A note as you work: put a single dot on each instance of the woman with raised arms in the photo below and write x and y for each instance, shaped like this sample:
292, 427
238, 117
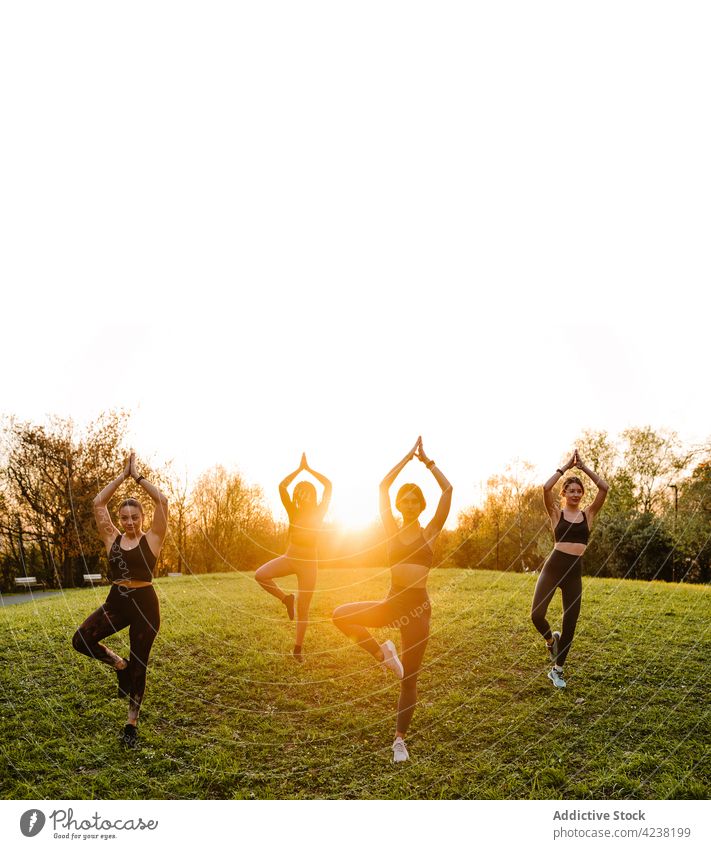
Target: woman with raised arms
306, 514
563, 568
407, 606
132, 602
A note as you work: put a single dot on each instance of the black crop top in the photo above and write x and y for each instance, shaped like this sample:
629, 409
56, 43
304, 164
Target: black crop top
137, 564
418, 551
566, 531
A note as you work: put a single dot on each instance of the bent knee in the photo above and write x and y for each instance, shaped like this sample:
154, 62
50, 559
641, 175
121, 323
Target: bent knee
339, 617
538, 616
79, 641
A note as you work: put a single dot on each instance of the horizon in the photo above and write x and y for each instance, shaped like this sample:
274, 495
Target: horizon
351, 515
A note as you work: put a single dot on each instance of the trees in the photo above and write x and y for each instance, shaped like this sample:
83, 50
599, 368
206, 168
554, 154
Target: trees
651, 460
640, 533
635, 534
51, 474
505, 532
50, 478
692, 525
231, 526
48, 481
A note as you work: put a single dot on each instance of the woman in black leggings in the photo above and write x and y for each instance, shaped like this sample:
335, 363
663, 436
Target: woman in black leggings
407, 606
306, 514
132, 602
571, 531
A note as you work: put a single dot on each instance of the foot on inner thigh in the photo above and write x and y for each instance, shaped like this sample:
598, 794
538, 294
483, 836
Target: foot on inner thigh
116, 660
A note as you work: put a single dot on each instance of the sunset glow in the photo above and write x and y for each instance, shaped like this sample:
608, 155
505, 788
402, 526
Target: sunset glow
342, 292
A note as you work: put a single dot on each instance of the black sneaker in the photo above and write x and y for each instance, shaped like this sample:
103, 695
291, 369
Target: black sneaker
129, 736
289, 605
124, 681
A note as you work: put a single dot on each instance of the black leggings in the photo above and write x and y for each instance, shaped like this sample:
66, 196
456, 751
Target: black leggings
406, 609
564, 571
137, 608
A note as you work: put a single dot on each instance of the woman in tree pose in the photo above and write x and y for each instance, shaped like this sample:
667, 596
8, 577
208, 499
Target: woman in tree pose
407, 606
563, 568
306, 516
132, 602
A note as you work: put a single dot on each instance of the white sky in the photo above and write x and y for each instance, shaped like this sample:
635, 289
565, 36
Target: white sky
331, 227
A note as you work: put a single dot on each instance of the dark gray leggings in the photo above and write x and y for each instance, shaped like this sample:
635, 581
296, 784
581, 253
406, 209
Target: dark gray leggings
406, 609
136, 608
564, 571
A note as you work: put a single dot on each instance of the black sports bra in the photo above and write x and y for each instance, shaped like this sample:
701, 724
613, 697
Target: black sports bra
566, 531
136, 564
418, 551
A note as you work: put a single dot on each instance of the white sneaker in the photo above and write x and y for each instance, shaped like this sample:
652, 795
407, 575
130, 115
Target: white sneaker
391, 660
400, 752
553, 648
557, 678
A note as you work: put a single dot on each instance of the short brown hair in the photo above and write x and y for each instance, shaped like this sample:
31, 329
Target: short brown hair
406, 489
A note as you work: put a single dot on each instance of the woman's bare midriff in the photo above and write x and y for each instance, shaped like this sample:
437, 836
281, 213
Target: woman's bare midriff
409, 575
575, 548
133, 584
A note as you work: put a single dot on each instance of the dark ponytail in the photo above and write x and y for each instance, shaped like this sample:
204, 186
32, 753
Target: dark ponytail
131, 502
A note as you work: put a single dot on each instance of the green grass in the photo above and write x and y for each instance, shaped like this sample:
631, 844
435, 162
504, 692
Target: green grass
228, 714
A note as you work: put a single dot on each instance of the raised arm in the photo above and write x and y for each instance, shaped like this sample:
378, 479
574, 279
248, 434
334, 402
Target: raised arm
386, 512
159, 526
325, 483
107, 530
284, 492
602, 489
552, 507
445, 499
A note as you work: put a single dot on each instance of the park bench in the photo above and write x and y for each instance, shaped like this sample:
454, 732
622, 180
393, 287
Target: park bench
175, 574
93, 578
28, 583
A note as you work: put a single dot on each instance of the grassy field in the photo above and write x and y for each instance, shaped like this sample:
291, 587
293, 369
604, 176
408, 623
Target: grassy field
228, 714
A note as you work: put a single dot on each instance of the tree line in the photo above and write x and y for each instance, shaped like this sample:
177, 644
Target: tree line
656, 523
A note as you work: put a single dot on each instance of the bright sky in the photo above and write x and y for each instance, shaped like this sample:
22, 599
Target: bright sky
273, 227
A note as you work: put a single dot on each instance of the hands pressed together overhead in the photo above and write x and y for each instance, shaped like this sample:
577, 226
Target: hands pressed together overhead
418, 451
574, 463
129, 469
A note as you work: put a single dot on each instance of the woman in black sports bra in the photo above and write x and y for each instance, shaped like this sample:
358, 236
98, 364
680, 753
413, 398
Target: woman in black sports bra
563, 568
407, 606
306, 516
132, 602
